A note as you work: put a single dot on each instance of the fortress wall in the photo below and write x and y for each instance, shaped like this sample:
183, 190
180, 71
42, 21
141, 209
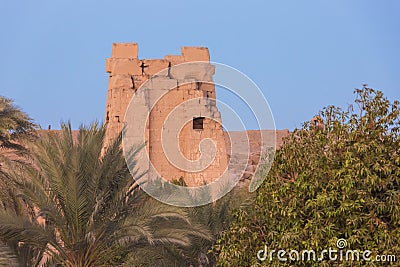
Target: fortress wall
127, 73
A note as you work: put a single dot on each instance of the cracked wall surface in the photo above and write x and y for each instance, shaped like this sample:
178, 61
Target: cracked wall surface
127, 73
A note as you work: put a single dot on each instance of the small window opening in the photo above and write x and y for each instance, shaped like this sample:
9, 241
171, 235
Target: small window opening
117, 118
198, 123
198, 85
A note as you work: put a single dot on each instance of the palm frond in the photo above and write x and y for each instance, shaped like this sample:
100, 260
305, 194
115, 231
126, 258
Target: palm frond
7, 256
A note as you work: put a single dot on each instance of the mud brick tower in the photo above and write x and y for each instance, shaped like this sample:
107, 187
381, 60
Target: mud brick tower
202, 120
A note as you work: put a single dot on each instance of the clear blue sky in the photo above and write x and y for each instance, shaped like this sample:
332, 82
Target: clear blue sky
303, 54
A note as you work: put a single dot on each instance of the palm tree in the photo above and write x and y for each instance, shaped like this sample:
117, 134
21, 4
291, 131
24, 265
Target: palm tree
15, 126
216, 217
94, 212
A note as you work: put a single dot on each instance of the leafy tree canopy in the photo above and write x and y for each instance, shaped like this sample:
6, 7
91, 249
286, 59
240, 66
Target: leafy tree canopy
14, 123
330, 181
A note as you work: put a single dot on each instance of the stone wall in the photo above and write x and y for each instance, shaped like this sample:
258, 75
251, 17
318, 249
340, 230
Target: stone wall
127, 73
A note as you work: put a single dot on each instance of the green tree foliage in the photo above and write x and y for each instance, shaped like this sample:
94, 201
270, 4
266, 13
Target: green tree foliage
94, 213
14, 124
15, 127
339, 180
215, 217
